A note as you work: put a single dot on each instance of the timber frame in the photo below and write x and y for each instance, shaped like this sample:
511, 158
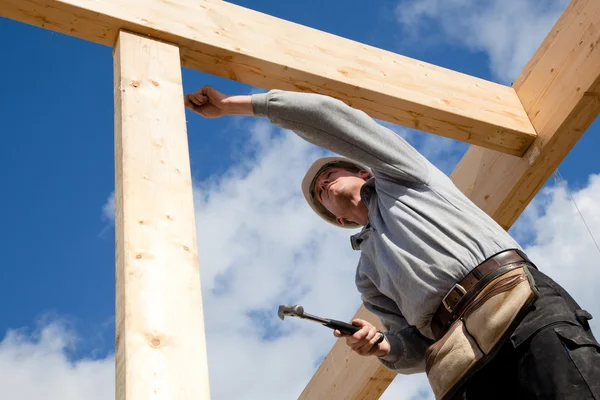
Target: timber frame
518, 136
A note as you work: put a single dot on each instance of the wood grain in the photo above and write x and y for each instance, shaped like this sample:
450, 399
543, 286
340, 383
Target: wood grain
160, 340
226, 40
560, 90
344, 375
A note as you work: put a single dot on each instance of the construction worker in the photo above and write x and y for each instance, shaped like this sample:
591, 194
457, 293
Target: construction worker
426, 252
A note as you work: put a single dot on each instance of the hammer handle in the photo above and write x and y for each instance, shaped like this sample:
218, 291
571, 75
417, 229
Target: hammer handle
349, 329
342, 327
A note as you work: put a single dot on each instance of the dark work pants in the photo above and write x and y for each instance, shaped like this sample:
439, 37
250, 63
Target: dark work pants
552, 354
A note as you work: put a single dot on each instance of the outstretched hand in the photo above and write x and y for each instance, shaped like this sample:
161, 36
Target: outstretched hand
210, 103
364, 341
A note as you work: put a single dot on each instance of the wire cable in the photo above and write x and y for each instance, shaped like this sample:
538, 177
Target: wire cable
557, 174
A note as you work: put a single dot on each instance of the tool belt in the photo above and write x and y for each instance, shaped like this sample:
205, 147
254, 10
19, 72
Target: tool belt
475, 317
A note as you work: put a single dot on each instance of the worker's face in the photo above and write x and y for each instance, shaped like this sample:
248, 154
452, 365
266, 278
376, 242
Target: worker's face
339, 191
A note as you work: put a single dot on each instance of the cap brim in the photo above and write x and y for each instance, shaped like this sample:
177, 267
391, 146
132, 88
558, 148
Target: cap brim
307, 185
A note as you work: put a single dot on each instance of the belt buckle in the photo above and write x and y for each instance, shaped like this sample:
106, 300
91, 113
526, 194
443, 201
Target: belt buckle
457, 287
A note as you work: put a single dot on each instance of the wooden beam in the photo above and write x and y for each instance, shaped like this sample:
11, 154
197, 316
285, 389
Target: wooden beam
343, 375
160, 341
237, 43
560, 90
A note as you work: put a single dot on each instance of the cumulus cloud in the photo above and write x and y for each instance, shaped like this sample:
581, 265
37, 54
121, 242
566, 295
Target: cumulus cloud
509, 32
261, 246
36, 365
108, 209
554, 225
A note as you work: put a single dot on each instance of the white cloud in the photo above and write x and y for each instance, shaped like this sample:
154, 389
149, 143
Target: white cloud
508, 31
560, 242
261, 246
108, 209
36, 366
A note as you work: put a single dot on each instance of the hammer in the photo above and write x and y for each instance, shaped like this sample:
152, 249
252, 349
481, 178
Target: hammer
298, 311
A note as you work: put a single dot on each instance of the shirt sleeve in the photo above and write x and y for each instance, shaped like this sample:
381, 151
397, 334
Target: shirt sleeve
333, 125
407, 344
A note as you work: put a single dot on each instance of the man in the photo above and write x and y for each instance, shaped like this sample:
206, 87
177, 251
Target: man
420, 238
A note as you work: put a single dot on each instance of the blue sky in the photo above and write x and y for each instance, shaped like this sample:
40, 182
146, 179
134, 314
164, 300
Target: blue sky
57, 174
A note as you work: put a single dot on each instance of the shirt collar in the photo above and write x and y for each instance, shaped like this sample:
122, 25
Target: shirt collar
366, 193
357, 239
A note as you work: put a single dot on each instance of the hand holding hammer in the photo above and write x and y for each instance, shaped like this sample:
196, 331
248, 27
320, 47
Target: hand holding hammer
367, 340
361, 336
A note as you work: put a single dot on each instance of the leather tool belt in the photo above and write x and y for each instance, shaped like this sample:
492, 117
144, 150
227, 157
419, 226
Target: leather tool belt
475, 317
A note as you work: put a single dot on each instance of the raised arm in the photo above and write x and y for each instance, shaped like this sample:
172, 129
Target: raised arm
325, 122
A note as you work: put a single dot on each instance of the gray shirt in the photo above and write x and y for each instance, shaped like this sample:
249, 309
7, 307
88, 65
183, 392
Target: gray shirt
423, 234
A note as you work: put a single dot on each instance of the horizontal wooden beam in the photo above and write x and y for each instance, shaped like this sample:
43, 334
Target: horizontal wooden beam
560, 90
237, 43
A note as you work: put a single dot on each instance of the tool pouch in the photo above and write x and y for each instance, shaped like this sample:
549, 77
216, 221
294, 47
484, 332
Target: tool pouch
480, 330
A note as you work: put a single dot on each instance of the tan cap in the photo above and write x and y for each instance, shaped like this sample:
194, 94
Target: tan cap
308, 186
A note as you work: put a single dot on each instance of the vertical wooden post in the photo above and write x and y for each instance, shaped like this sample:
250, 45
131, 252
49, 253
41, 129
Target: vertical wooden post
160, 340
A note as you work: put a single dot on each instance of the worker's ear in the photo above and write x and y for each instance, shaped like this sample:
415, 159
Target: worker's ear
364, 174
344, 221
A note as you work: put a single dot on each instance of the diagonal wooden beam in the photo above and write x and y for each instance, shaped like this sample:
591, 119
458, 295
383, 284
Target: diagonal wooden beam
237, 43
560, 90
343, 375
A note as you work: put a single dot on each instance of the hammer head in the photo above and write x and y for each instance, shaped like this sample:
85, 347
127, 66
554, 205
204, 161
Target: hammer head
292, 311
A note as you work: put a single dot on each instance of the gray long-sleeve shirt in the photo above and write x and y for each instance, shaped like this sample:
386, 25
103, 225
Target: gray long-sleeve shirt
423, 234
